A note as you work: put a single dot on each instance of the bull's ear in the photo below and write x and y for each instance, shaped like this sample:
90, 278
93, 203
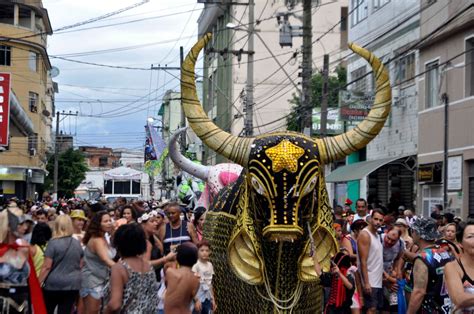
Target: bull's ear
243, 252
325, 248
244, 258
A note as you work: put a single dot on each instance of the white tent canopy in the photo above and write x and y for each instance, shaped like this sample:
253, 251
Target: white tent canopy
122, 173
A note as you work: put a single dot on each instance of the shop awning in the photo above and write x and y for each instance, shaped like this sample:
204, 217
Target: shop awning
358, 170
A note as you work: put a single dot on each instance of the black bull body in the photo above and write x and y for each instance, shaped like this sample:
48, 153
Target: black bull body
265, 227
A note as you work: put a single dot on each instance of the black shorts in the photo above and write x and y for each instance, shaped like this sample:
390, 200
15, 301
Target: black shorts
374, 300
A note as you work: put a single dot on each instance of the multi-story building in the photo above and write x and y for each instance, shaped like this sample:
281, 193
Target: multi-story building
385, 170
225, 70
24, 27
100, 158
446, 107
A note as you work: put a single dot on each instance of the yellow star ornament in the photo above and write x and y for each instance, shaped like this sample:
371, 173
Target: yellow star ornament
285, 155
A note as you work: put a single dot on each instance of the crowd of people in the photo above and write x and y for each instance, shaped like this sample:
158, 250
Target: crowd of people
396, 262
128, 257
73, 256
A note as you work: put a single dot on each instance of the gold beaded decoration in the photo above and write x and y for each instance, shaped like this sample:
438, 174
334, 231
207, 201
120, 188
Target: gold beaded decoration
285, 155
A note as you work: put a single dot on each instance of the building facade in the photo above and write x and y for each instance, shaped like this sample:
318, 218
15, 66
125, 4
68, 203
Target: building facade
100, 158
385, 170
446, 108
276, 69
24, 27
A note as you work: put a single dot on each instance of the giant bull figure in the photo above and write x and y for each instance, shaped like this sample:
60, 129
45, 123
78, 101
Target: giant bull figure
263, 229
216, 177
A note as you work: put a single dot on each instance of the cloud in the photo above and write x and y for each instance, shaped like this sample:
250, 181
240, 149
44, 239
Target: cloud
81, 86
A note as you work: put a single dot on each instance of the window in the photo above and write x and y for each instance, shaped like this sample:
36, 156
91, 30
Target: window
359, 85
33, 99
380, 3
5, 55
122, 187
108, 187
32, 144
405, 68
432, 82
6, 14
358, 11
469, 67
33, 61
24, 18
103, 161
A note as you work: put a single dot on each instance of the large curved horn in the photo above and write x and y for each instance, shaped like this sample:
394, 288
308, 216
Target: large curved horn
337, 147
232, 147
182, 162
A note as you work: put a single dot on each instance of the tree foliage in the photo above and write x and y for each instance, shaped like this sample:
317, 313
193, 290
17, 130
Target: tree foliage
336, 82
71, 171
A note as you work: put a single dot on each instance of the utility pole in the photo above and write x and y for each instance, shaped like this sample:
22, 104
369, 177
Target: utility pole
445, 99
56, 151
249, 87
56, 164
306, 120
324, 98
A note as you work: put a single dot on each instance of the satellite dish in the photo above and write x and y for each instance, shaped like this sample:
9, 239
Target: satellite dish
46, 113
54, 72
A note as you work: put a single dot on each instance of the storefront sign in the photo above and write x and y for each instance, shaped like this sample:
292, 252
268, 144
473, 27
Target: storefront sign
354, 106
429, 173
455, 173
12, 174
334, 125
4, 108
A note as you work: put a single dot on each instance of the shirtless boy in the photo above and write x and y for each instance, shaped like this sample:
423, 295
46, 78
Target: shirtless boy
182, 285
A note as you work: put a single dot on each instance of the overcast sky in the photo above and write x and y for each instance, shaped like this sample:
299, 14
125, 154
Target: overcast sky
121, 99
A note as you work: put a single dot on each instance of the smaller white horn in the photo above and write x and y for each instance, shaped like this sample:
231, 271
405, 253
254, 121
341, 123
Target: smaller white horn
184, 163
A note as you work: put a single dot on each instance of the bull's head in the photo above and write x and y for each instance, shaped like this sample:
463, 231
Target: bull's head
284, 179
216, 177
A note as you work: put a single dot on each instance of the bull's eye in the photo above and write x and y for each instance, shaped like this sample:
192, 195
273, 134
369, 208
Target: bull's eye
310, 186
257, 186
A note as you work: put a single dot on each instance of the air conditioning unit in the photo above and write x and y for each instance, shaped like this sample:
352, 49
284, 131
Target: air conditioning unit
32, 152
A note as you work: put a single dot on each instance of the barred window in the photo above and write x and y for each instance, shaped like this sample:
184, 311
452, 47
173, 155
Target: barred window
33, 101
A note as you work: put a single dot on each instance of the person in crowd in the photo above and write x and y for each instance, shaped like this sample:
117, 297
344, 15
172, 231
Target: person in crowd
459, 274
176, 231
437, 209
402, 224
198, 222
39, 239
20, 288
41, 216
347, 205
160, 220
132, 280
206, 301
348, 218
449, 234
181, 283
429, 294
409, 217
393, 250
350, 242
28, 225
340, 281
154, 247
78, 221
61, 271
362, 210
370, 250
338, 213
98, 258
129, 214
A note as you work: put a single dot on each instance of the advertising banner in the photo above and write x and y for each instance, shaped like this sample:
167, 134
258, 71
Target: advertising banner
4, 108
354, 106
334, 125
